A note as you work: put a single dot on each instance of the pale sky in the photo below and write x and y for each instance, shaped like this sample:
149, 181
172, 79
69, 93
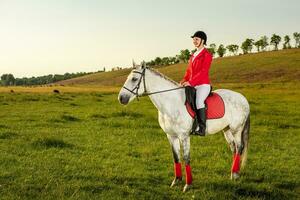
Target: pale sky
40, 37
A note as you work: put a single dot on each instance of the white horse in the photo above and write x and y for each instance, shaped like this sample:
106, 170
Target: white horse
169, 98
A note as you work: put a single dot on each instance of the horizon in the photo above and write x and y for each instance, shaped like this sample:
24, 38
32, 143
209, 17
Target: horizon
41, 38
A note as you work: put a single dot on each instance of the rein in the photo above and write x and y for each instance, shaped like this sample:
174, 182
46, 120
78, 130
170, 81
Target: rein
137, 87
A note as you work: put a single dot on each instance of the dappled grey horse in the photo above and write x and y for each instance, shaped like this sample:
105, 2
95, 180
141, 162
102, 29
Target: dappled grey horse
169, 99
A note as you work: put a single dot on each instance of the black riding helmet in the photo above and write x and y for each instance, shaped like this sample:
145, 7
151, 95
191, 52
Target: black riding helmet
200, 34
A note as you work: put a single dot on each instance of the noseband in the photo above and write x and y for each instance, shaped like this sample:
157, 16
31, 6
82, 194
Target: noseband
135, 90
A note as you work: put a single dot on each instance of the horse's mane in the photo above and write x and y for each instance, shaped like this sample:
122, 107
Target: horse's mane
163, 76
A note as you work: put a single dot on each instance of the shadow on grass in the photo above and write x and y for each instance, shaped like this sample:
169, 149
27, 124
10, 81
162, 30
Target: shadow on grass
98, 116
73, 104
242, 190
286, 126
63, 98
97, 94
51, 143
125, 187
3, 126
69, 118
126, 114
30, 98
64, 118
286, 185
7, 135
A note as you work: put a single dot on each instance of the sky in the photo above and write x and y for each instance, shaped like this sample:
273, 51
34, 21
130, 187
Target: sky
54, 37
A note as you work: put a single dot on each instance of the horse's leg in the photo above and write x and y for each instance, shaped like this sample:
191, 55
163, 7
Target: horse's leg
174, 141
236, 157
238, 149
186, 158
229, 138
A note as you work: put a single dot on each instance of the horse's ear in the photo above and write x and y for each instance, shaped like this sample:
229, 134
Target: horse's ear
143, 64
133, 64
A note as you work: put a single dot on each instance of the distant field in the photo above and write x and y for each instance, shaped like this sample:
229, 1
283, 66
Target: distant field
264, 67
87, 146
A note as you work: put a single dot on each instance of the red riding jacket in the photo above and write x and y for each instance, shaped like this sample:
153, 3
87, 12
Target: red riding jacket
197, 72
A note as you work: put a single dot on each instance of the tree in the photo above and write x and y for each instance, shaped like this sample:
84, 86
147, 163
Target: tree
152, 63
233, 48
212, 49
297, 39
165, 61
275, 40
184, 55
67, 76
287, 44
173, 60
193, 51
264, 43
258, 44
20, 81
7, 79
221, 50
247, 46
56, 77
157, 61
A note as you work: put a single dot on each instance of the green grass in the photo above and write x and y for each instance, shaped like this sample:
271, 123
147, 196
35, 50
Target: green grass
88, 146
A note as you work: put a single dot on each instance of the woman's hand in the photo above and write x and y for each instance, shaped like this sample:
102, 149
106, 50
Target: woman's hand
186, 84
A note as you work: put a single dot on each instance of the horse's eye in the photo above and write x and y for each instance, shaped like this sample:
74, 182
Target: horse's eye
134, 79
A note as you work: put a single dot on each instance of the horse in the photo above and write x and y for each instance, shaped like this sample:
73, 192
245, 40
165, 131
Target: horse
169, 99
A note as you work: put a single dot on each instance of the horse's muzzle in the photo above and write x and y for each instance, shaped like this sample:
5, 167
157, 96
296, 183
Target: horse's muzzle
124, 99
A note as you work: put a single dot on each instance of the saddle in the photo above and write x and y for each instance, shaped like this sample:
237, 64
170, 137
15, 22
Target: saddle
214, 105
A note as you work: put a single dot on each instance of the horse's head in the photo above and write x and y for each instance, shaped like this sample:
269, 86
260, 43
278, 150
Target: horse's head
134, 86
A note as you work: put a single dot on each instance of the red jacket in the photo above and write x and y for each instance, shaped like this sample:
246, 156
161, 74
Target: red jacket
197, 72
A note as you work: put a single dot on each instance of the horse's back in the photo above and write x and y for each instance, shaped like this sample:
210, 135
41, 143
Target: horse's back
232, 96
236, 104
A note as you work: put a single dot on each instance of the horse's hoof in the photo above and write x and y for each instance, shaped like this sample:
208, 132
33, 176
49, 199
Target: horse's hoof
235, 176
186, 187
175, 181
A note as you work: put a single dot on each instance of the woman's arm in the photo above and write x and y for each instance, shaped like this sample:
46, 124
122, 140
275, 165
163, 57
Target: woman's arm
188, 72
186, 76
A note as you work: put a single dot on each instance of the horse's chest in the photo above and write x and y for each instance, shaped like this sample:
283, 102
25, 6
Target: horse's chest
173, 125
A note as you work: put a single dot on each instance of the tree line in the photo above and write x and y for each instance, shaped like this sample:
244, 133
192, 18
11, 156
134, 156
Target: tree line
10, 80
246, 47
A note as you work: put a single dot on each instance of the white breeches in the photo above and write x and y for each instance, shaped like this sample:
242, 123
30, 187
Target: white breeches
202, 91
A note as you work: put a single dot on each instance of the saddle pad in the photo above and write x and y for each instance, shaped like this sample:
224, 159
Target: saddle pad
215, 107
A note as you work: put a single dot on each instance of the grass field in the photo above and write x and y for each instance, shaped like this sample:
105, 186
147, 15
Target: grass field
79, 145
82, 144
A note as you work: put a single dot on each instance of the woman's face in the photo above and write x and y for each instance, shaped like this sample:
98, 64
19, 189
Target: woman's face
197, 42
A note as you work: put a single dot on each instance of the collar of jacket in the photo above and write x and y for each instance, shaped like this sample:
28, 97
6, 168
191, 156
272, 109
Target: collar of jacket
201, 53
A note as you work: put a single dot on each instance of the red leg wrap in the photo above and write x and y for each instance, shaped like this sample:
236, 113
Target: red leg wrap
177, 170
188, 175
236, 163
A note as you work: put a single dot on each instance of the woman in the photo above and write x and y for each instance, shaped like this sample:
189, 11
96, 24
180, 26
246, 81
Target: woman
197, 75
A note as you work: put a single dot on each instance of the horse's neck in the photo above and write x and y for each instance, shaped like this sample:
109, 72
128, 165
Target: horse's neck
166, 102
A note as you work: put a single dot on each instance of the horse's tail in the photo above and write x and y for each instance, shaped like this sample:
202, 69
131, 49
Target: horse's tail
245, 140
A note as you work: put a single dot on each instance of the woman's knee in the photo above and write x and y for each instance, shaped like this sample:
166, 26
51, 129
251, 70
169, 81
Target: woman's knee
200, 103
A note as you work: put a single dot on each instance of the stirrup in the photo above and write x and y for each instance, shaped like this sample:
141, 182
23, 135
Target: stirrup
198, 132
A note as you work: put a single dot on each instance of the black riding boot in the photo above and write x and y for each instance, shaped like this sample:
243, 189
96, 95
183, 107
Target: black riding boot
201, 117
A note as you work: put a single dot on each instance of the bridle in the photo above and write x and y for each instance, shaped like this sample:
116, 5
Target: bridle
137, 87
135, 90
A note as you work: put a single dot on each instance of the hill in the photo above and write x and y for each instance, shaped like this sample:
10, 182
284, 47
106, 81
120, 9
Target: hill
263, 67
